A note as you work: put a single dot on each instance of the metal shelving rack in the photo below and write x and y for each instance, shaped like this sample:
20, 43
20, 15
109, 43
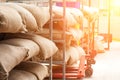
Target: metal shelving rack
60, 41
50, 62
51, 28
77, 74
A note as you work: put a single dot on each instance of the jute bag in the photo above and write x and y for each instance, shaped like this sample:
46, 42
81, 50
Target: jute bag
41, 71
47, 47
77, 14
21, 75
41, 14
28, 44
57, 35
10, 56
59, 56
10, 21
27, 18
75, 54
58, 13
76, 33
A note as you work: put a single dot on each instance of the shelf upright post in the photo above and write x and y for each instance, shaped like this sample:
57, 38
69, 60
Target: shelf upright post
64, 37
109, 24
51, 34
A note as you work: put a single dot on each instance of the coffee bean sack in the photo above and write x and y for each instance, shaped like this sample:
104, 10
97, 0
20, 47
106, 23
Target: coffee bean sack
47, 47
41, 14
27, 17
10, 21
21, 75
41, 71
28, 44
59, 56
58, 13
10, 56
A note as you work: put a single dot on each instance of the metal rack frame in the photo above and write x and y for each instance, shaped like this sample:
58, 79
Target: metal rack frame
62, 41
64, 37
51, 62
50, 4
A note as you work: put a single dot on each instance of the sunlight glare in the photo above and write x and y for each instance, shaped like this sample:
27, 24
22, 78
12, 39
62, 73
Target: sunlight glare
115, 3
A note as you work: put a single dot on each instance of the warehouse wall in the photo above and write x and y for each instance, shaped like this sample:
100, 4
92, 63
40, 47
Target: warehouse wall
103, 20
114, 26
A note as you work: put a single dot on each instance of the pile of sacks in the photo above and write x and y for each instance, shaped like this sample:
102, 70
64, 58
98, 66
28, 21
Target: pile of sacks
19, 17
26, 35
17, 48
21, 21
73, 33
25, 29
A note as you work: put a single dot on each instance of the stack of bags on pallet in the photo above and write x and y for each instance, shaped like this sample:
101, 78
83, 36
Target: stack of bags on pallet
91, 13
32, 45
73, 51
28, 70
73, 34
25, 30
91, 18
18, 23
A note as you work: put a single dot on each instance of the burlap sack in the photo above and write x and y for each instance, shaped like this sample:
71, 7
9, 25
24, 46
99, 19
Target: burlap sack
45, 32
78, 16
76, 33
90, 12
41, 71
41, 14
27, 18
10, 21
99, 47
81, 51
21, 75
75, 54
10, 56
47, 47
56, 35
58, 13
59, 56
28, 44
72, 55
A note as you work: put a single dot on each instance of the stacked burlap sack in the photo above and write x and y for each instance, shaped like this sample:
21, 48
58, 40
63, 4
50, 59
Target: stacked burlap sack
72, 55
72, 26
20, 17
28, 70
73, 33
10, 56
21, 75
10, 20
91, 13
19, 47
43, 47
26, 37
90, 19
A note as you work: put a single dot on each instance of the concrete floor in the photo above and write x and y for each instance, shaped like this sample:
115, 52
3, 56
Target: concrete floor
107, 65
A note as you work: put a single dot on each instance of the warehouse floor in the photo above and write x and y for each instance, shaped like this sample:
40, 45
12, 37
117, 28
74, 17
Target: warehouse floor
107, 65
